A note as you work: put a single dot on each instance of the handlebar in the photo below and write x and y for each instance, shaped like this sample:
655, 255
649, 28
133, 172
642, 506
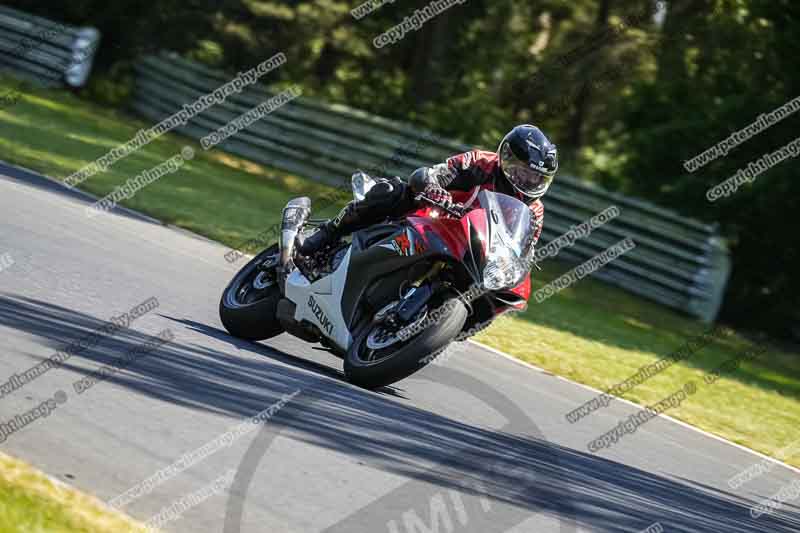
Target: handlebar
455, 209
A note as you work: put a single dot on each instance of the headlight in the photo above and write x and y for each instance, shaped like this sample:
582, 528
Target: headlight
503, 270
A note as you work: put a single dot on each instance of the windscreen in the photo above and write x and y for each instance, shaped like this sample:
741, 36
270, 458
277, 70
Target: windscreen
515, 219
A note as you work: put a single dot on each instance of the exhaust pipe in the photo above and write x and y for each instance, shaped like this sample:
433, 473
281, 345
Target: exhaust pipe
294, 217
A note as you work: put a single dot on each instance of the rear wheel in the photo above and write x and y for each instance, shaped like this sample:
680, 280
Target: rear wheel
249, 303
380, 354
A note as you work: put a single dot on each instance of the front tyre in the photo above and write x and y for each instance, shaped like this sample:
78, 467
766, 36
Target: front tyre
248, 307
370, 367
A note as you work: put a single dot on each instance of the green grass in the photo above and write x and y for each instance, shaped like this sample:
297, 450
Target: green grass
33, 503
595, 334
592, 333
227, 199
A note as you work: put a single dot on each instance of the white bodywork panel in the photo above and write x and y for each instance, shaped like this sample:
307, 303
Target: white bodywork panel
320, 303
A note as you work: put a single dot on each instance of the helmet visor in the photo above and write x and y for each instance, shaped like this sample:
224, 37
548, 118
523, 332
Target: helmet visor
526, 180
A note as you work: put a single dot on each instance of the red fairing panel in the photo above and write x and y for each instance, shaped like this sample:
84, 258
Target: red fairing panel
523, 290
454, 233
448, 230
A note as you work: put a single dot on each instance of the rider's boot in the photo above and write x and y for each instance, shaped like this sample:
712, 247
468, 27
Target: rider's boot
324, 236
386, 198
329, 232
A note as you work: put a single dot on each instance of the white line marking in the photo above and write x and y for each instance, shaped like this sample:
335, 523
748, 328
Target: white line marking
628, 402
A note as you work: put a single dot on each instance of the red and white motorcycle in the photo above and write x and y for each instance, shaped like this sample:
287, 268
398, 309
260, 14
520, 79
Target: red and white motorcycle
395, 296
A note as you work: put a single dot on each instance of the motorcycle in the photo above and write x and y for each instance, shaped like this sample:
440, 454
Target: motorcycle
395, 296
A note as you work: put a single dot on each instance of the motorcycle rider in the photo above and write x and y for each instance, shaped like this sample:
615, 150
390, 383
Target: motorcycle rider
523, 166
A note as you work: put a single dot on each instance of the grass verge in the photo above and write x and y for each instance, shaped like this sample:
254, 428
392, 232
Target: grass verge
32, 502
592, 333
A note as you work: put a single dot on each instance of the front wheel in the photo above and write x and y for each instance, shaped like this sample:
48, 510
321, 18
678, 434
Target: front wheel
249, 304
378, 356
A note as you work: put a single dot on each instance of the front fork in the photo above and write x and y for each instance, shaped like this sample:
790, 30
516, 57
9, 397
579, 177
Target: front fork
417, 296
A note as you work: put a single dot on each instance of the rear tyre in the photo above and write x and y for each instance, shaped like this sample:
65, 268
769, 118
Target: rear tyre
249, 304
371, 368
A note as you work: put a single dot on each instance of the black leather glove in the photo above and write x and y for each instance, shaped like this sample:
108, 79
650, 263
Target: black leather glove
438, 195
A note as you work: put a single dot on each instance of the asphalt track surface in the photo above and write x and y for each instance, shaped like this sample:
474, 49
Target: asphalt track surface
477, 444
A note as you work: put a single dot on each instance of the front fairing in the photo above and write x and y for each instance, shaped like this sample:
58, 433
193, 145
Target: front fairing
497, 232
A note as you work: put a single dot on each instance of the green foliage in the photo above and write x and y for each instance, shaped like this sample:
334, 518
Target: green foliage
726, 65
112, 88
